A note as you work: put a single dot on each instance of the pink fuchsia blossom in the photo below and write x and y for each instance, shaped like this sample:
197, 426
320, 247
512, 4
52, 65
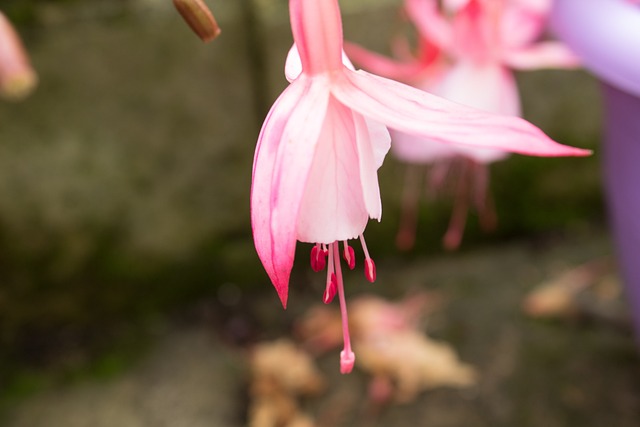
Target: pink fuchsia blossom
480, 42
315, 166
483, 41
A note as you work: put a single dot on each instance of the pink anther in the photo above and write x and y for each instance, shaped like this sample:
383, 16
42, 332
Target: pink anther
331, 289
370, 270
349, 256
347, 360
318, 258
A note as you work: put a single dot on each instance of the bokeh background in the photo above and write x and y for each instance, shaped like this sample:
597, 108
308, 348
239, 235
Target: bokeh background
129, 286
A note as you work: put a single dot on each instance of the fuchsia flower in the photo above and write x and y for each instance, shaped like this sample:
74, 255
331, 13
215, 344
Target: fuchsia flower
315, 166
480, 42
483, 40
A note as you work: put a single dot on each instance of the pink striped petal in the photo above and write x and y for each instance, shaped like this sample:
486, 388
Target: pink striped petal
541, 55
416, 112
317, 32
430, 23
520, 27
382, 65
523, 21
474, 37
333, 206
371, 151
281, 164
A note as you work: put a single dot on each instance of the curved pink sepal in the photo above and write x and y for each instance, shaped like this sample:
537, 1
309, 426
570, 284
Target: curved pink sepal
382, 65
281, 164
419, 113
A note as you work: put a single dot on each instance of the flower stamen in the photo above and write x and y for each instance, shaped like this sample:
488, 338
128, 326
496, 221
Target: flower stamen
482, 197
406, 237
331, 287
453, 236
369, 265
330, 290
349, 256
318, 258
347, 357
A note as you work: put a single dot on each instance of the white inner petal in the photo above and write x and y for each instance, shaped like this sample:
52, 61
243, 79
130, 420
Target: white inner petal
380, 140
373, 142
419, 150
488, 87
333, 206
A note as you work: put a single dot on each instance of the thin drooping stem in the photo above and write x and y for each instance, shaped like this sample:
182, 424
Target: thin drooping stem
406, 237
453, 236
483, 199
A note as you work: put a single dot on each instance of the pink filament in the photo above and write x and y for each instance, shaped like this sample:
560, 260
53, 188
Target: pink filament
406, 237
347, 357
335, 285
453, 236
482, 198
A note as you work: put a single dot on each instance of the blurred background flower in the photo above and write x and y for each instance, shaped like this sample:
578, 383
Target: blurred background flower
467, 53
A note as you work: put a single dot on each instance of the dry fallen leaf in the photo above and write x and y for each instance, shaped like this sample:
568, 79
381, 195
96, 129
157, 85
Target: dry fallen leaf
389, 345
558, 296
280, 373
414, 362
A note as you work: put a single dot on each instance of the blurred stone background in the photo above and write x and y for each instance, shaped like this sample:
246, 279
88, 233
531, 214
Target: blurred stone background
124, 179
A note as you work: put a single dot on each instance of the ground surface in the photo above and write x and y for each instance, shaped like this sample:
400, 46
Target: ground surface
567, 372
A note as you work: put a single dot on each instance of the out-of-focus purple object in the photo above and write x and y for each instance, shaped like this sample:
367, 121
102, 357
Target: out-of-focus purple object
606, 34
622, 180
